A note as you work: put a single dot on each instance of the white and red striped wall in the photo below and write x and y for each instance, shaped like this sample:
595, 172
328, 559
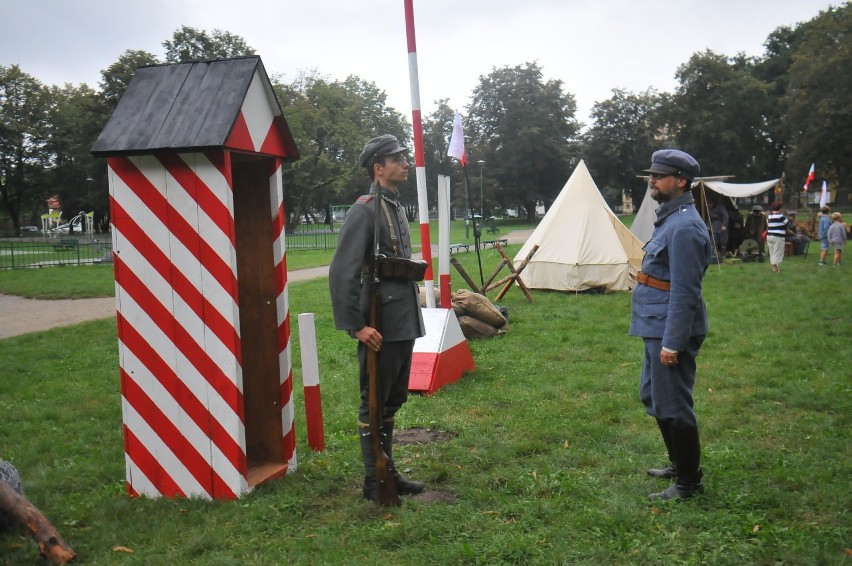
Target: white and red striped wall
178, 324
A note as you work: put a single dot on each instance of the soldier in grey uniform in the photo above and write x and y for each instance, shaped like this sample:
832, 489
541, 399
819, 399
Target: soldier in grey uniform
668, 312
400, 320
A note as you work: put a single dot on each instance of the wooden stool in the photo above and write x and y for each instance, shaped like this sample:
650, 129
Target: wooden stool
788, 249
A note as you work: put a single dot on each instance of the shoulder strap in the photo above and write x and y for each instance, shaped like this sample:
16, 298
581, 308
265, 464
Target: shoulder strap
393, 238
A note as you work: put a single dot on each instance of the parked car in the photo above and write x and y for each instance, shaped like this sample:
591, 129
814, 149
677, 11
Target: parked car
29, 230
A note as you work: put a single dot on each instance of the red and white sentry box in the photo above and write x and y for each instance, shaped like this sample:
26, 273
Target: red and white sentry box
194, 152
442, 355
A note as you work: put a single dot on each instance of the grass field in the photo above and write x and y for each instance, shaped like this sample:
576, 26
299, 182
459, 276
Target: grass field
548, 458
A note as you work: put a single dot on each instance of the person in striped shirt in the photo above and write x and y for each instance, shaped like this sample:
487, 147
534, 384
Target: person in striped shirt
775, 235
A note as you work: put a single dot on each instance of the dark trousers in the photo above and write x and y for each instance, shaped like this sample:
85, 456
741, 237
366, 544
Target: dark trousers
666, 391
394, 367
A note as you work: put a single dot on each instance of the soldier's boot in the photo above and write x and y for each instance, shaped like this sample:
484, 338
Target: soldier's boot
687, 450
669, 471
403, 486
369, 489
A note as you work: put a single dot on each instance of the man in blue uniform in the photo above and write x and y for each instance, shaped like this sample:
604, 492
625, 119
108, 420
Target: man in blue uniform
669, 314
400, 320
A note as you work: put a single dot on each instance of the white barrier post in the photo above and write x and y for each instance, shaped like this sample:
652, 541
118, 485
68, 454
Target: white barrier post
310, 382
444, 240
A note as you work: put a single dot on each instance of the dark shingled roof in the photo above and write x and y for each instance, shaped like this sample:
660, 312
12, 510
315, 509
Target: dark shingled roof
183, 106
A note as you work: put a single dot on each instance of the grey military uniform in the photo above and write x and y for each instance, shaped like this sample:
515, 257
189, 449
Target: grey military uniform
400, 318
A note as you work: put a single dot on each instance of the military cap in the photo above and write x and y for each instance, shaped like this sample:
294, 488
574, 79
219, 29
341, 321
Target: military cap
379, 147
757, 208
674, 162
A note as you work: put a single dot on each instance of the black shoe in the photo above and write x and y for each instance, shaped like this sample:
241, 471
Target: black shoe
408, 487
669, 472
678, 490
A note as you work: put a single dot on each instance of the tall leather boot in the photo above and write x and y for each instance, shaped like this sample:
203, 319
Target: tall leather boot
369, 458
669, 471
403, 486
687, 451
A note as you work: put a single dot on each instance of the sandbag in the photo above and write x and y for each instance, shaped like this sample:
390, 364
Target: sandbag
435, 293
473, 329
479, 307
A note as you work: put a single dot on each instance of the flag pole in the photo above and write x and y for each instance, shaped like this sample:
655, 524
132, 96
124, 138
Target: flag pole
419, 160
477, 228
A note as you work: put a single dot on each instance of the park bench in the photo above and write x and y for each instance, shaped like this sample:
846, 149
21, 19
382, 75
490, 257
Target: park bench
493, 243
67, 245
456, 248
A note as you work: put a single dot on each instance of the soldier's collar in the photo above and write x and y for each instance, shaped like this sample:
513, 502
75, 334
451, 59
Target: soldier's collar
667, 208
386, 193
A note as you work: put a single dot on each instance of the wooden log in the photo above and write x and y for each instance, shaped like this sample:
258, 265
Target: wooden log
50, 545
487, 284
464, 274
516, 275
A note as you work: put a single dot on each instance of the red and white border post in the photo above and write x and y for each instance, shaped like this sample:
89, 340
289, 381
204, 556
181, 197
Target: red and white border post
310, 382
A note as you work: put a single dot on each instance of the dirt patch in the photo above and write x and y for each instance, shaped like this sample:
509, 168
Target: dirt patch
429, 497
421, 436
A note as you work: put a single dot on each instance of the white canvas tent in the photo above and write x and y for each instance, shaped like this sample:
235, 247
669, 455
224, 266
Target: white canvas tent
643, 224
582, 243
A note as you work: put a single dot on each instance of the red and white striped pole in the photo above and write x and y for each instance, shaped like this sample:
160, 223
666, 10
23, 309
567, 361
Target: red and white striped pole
310, 381
419, 160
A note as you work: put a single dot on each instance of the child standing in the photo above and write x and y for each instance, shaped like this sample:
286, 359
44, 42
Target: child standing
837, 236
824, 223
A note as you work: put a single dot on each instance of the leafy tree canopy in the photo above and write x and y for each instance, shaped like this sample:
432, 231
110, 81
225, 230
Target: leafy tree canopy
525, 128
190, 44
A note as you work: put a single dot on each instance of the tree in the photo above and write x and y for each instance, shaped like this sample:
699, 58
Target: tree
116, 77
24, 106
330, 122
817, 122
525, 129
437, 129
719, 114
75, 119
190, 44
627, 129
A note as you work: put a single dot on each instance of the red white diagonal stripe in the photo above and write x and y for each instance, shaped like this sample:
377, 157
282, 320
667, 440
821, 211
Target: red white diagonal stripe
282, 303
178, 324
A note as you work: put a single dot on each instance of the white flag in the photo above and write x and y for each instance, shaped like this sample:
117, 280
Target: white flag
456, 148
823, 196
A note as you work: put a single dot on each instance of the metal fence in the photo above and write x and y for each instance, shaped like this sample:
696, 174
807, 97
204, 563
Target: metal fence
22, 254
40, 252
305, 239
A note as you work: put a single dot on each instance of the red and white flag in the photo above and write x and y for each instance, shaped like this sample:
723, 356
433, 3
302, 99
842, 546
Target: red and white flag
456, 148
811, 177
823, 196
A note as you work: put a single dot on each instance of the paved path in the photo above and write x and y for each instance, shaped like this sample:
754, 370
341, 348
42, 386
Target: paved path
22, 316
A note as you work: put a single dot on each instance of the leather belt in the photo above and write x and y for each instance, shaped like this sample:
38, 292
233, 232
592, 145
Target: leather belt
646, 279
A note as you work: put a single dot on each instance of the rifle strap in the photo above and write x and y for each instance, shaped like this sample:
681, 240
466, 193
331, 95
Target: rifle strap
393, 238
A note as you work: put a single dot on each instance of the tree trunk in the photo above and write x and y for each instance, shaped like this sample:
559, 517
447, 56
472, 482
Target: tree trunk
50, 544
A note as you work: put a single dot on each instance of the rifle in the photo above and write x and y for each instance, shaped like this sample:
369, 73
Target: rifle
386, 494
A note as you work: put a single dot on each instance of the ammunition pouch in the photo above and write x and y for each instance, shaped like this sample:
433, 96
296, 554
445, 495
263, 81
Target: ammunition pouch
400, 268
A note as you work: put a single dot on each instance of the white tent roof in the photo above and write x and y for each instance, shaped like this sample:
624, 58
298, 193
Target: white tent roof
582, 244
643, 224
741, 190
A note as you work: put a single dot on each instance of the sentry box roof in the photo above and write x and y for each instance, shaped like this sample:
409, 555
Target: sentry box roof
195, 106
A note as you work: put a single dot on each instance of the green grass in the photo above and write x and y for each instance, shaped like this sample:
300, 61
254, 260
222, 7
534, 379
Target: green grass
548, 463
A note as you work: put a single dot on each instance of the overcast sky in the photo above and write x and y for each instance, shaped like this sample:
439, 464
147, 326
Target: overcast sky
592, 46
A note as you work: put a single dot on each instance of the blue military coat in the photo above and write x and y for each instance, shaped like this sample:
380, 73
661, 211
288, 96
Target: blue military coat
679, 252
